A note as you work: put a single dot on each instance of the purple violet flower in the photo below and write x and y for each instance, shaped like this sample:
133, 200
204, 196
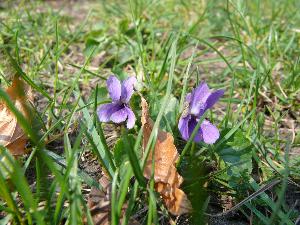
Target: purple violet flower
199, 100
118, 111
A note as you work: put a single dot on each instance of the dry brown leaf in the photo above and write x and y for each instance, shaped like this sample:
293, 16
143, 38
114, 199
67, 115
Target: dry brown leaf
167, 179
99, 204
11, 134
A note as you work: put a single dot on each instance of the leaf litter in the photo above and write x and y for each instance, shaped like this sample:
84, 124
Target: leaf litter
167, 179
11, 134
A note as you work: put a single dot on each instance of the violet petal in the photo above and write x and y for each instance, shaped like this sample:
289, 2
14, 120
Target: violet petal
199, 97
183, 127
210, 132
130, 119
188, 98
127, 89
105, 111
119, 116
114, 88
213, 98
198, 135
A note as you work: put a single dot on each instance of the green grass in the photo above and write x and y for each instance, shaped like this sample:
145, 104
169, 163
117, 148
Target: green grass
65, 52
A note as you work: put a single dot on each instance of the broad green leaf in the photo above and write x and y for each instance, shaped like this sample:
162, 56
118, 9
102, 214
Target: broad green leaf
120, 154
237, 156
195, 173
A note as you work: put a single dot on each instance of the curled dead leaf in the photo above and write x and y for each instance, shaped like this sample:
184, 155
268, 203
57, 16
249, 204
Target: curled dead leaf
167, 179
11, 134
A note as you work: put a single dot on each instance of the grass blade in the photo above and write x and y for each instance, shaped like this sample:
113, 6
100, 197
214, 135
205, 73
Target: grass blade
99, 148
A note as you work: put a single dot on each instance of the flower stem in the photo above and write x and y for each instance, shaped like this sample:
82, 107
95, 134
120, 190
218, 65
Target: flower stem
134, 161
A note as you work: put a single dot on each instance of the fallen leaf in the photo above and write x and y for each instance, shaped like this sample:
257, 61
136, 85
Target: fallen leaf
99, 204
11, 134
167, 179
